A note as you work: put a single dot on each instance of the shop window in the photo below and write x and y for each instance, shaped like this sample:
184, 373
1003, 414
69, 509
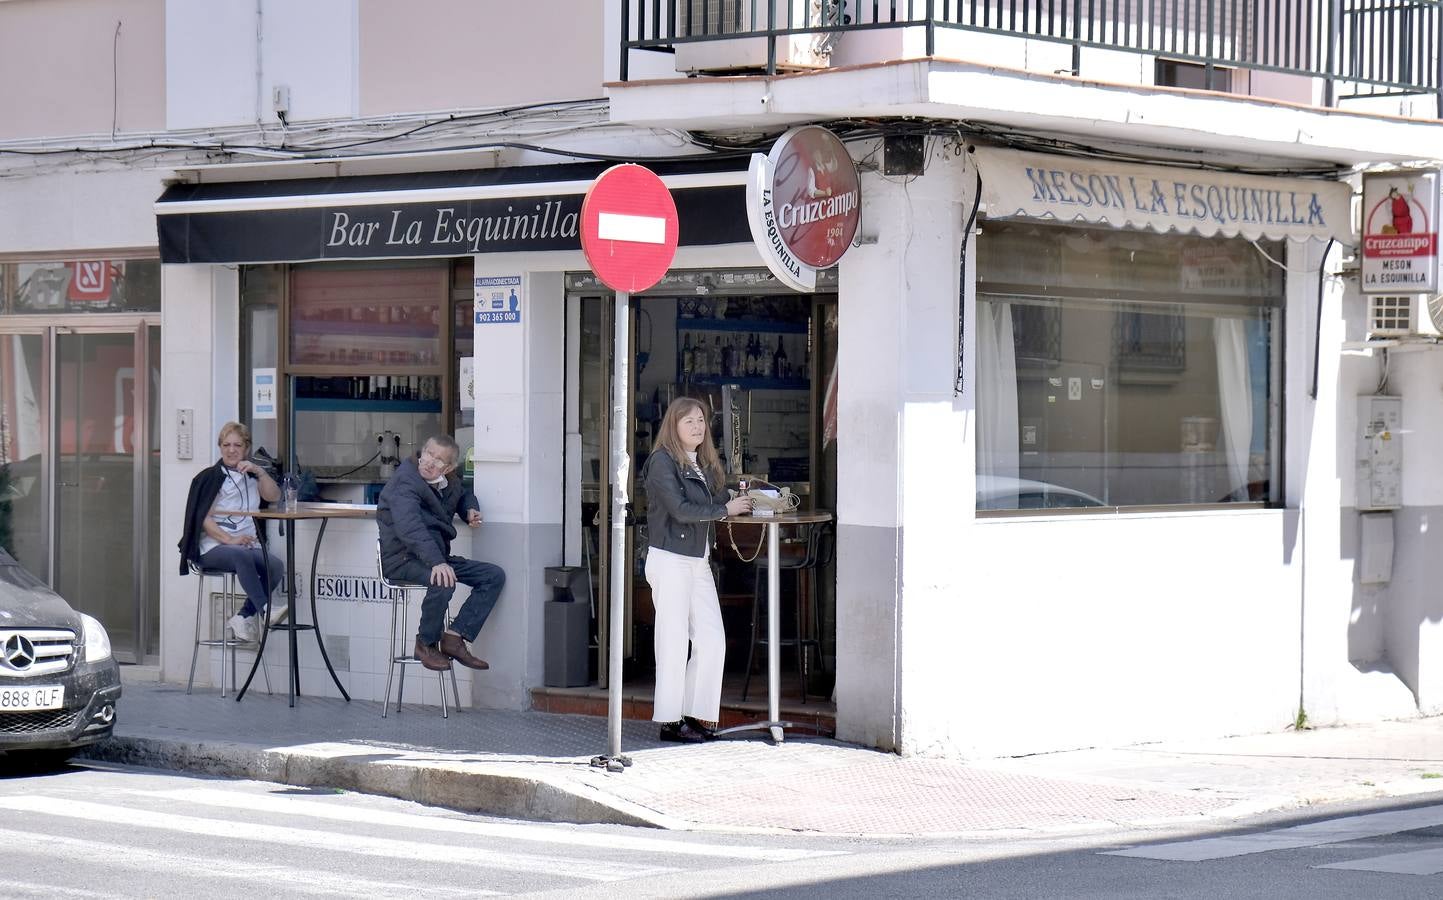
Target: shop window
81, 286
1142, 370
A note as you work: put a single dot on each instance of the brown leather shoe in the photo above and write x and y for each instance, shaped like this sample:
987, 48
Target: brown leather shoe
453, 646
431, 658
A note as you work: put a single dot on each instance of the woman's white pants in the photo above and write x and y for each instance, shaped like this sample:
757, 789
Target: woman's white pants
684, 595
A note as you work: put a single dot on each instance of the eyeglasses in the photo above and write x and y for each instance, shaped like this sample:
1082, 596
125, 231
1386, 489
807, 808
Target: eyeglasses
441, 461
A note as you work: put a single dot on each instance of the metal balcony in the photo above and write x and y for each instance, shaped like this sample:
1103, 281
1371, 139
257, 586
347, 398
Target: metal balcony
1357, 47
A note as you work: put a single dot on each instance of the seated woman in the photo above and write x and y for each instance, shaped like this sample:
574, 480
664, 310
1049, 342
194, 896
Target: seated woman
232, 543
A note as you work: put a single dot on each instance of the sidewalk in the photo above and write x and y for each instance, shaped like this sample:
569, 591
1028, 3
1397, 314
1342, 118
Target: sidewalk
536, 766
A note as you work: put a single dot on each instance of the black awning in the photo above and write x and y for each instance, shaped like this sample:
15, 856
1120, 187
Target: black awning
425, 214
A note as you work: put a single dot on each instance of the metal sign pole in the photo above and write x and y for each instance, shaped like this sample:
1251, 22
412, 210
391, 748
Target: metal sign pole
614, 761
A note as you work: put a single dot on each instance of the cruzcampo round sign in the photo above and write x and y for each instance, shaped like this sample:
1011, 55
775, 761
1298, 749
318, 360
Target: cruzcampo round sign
803, 204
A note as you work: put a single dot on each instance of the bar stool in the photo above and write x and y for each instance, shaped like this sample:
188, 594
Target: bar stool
227, 642
402, 654
821, 548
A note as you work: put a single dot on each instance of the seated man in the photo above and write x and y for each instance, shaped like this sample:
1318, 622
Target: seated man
415, 514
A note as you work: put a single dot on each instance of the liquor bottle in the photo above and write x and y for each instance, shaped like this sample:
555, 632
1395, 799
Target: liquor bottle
779, 360
751, 366
714, 361
728, 358
688, 357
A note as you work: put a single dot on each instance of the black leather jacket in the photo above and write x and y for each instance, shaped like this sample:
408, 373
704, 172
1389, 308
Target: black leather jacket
680, 507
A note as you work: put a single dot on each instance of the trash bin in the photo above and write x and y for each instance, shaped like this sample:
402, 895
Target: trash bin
567, 625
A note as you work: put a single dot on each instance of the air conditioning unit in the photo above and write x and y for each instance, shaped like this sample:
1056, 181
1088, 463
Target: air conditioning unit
697, 18
1405, 315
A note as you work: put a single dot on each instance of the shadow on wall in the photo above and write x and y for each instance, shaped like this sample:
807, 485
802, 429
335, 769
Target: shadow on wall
1390, 623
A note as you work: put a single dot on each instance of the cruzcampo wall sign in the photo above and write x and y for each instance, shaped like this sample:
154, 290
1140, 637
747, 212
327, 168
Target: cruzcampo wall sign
1400, 232
803, 204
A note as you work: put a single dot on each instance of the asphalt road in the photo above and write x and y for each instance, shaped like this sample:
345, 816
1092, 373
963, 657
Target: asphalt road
94, 830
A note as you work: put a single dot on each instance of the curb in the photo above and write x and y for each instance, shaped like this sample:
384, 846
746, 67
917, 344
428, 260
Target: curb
433, 784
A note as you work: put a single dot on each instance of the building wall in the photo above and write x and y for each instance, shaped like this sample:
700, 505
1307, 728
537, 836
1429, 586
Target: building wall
222, 61
451, 54
81, 67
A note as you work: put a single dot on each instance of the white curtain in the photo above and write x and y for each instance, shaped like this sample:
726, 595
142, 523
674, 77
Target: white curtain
1230, 337
996, 400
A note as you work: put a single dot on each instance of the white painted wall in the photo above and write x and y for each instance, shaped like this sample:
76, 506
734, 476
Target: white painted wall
223, 60
79, 211
200, 302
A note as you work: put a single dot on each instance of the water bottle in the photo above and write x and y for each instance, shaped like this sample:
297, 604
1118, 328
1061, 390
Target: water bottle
290, 493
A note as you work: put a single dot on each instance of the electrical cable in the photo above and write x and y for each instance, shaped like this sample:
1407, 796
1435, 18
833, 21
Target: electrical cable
357, 468
1318, 325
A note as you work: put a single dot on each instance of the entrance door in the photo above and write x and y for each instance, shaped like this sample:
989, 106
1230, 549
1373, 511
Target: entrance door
751, 356
80, 494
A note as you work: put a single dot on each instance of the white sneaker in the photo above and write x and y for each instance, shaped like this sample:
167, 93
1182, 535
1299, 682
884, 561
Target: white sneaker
279, 613
243, 627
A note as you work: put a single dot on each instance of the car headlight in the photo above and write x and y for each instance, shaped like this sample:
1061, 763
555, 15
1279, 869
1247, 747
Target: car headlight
97, 642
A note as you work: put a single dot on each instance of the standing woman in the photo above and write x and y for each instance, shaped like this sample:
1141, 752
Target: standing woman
686, 493
232, 543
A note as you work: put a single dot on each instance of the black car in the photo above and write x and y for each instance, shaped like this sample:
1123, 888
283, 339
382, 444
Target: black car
59, 682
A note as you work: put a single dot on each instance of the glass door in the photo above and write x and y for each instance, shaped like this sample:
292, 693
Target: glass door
24, 453
106, 455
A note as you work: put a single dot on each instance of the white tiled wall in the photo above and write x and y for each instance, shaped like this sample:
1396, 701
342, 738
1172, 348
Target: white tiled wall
349, 438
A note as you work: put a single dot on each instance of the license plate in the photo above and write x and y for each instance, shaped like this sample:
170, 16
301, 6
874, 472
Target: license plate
32, 698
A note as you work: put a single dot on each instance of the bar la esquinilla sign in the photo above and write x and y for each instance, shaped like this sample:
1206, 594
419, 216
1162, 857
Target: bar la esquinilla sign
1179, 199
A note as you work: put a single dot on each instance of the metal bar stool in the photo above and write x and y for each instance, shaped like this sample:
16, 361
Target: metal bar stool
401, 652
821, 548
227, 642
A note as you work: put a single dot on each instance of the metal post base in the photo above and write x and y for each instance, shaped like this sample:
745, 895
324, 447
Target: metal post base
611, 763
776, 729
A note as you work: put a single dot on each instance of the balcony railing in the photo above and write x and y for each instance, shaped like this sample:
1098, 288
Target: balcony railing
1357, 47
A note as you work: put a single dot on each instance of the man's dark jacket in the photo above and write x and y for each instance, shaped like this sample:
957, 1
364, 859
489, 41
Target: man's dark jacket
204, 488
417, 521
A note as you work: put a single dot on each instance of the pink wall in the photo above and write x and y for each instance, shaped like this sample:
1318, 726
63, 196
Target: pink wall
443, 54
62, 67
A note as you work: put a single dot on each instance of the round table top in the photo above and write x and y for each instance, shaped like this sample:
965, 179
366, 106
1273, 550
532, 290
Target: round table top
306, 511
800, 517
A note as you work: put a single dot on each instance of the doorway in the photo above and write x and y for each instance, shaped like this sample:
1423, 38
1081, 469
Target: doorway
759, 356
80, 465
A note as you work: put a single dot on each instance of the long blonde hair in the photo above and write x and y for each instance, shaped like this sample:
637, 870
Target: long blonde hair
668, 440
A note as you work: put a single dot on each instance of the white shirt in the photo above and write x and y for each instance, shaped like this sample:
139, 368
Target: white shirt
237, 491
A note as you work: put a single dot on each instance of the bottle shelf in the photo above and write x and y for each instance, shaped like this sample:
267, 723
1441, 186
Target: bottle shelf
751, 382
758, 326
341, 404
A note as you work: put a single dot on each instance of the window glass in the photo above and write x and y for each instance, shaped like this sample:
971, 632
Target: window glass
86, 286
1123, 368
462, 335
380, 318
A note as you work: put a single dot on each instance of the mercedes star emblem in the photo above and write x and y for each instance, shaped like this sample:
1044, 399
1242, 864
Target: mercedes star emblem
19, 652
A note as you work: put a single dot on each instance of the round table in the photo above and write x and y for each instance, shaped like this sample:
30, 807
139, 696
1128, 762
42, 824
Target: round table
325, 512
774, 723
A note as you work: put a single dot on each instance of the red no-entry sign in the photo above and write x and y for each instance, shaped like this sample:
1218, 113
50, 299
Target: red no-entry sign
628, 228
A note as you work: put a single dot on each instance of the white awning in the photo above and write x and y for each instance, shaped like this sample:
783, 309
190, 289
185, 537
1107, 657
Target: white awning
1162, 198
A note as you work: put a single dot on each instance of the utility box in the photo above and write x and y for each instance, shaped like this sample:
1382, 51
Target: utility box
567, 627
1380, 453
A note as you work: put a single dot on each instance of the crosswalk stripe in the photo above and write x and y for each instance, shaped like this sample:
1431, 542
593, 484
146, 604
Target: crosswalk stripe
1329, 831
311, 880
547, 834
1416, 862
584, 869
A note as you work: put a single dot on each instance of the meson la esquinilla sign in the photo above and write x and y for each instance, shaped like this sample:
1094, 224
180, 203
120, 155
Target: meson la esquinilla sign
803, 204
1400, 232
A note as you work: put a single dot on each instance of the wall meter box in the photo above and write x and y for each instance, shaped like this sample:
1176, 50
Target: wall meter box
1380, 453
